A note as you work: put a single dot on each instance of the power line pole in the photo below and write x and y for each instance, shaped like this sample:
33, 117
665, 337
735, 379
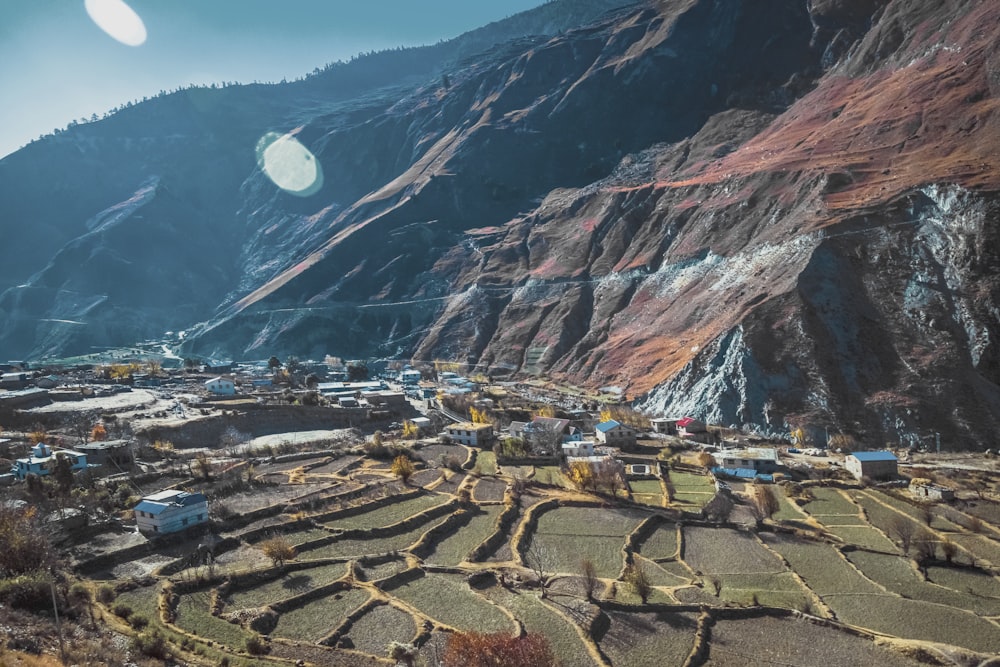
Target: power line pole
55, 610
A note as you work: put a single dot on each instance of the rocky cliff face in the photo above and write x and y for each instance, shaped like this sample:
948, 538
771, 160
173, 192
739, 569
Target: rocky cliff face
767, 219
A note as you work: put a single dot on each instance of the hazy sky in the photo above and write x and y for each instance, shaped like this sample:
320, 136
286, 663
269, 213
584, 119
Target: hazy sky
57, 65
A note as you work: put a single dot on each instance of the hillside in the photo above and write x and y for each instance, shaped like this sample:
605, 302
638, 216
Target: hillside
762, 218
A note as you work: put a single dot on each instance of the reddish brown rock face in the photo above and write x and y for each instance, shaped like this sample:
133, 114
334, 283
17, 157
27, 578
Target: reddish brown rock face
768, 219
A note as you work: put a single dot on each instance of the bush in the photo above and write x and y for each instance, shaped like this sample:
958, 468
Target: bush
121, 610
106, 593
256, 645
138, 621
31, 592
152, 644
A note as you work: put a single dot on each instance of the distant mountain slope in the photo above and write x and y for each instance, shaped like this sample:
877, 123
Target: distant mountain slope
764, 218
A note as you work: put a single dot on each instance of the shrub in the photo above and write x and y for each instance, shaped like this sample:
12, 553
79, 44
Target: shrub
278, 549
256, 645
105, 593
138, 621
121, 610
475, 649
152, 644
403, 468
31, 591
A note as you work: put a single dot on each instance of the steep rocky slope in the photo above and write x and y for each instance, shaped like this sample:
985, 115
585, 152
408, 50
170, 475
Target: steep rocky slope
763, 218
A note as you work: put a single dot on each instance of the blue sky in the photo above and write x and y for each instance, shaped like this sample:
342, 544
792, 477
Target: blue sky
56, 65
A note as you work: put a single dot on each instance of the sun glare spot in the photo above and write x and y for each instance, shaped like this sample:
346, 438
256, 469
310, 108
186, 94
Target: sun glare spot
118, 20
289, 164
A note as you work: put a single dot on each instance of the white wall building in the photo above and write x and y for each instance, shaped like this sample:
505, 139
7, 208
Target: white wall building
170, 511
222, 386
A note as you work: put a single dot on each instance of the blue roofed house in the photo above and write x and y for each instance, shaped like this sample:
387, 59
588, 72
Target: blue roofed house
873, 465
615, 434
170, 511
43, 461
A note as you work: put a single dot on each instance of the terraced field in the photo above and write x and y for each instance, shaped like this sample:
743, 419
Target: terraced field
862, 579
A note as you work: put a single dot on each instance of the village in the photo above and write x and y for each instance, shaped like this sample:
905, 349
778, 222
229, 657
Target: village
181, 503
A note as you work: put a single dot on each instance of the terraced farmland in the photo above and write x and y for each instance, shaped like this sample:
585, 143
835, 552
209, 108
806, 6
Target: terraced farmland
402, 575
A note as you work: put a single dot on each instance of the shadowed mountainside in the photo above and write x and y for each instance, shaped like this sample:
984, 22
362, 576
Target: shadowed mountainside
762, 218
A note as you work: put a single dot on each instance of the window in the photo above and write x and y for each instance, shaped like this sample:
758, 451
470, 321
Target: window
156, 529
184, 521
201, 517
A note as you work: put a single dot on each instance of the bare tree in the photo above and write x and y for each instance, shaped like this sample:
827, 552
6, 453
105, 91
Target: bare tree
902, 529
590, 580
538, 558
763, 503
637, 579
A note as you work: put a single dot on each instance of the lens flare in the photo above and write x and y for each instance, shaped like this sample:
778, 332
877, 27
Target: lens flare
118, 20
289, 164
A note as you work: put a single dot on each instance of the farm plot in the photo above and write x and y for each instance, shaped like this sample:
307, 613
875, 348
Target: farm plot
660, 576
194, 616
489, 490
691, 489
377, 628
448, 599
965, 580
316, 619
787, 511
335, 466
424, 478
897, 575
360, 547
376, 571
662, 543
828, 501
649, 639
540, 618
916, 512
647, 492
768, 641
249, 501
821, 566
914, 619
780, 589
486, 462
865, 537
389, 514
980, 546
724, 550
550, 475
442, 455
285, 586
598, 521
454, 548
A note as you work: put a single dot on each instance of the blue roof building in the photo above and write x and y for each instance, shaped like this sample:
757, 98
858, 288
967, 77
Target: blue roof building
879, 465
170, 511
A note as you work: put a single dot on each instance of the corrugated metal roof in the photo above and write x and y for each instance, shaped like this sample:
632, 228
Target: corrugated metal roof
874, 456
152, 508
604, 427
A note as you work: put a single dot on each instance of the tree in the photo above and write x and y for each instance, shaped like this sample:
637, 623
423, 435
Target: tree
706, 460
582, 475
903, 530
99, 433
590, 580
274, 363
500, 649
410, 430
609, 477
636, 578
478, 416
292, 364
402, 467
538, 557
63, 473
278, 549
763, 503
949, 550
204, 465
25, 546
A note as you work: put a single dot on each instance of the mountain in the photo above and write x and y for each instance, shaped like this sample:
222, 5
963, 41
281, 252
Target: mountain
766, 219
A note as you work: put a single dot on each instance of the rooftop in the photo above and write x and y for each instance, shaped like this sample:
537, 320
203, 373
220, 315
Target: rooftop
604, 427
874, 456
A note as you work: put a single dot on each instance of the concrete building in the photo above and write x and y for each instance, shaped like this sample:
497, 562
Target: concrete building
221, 386
614, 434
874, 465
43, 461
758, 459
578, 449
170, 511
927, 490
107, 452
665, 425
468, 433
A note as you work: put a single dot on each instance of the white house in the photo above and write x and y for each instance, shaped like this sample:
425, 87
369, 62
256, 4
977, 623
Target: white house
760, 459
43, 461
170, 511
468, 433
874, 465
578, 449
222, 386
614, 434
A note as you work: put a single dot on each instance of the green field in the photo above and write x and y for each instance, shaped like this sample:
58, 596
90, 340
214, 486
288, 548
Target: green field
618, 522
486, 462
286, 586
372, 632
448, 599
649, 639
356, 548
550, 475
316, 619
564, 553
662, 543
193, 615
865, 537
780, 589
830, 501
821, 566
390, 514
724, 550
453, 549
646, 486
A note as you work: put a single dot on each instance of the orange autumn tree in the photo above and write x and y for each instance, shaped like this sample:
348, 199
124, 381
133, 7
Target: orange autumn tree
98, 433
477, 649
